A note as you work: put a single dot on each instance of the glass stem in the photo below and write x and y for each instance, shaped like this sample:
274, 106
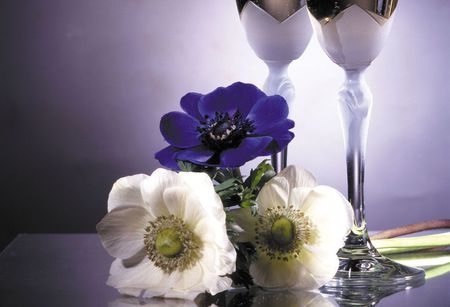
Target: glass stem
279, 83
279, 160
237, 172
355, 102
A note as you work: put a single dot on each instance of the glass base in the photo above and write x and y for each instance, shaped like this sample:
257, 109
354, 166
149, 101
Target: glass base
364, 277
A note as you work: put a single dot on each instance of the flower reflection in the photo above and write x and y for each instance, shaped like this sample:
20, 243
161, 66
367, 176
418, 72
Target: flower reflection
133, 301
261, 298
242, 298
291, 298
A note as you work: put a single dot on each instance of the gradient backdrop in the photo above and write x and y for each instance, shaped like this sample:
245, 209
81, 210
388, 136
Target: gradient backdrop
83, 84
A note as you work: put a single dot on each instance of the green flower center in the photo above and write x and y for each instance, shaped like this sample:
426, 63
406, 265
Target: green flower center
168, 243
171, 245
283, 231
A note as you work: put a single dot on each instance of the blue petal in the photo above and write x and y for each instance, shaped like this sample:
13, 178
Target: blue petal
268, 113
249, 149
189, 103
197, 155
179, 129
216, 101
246, 96
279, 142
238, 96
166, 157
280, 127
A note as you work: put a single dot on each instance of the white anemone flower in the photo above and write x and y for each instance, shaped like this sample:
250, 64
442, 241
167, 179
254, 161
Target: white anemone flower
297, 231
168, 234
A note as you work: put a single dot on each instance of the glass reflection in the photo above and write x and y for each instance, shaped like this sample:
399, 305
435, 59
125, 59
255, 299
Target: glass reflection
367, 296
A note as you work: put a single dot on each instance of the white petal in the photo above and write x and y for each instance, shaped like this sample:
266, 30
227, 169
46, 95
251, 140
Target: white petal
298, 177
153, 189
219, 284
202, 186
126, 192
298, 196
274, 193
142, 276
218, 261
316, 267
194, 211
210, 229
122, 231
205, 230
215, 284
330, 213
189, 279
227, 260
209, 257
274, 273
175, 200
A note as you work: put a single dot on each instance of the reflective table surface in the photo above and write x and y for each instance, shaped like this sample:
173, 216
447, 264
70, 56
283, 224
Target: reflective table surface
71, 270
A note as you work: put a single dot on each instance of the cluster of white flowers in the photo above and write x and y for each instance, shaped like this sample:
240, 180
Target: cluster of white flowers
168, 234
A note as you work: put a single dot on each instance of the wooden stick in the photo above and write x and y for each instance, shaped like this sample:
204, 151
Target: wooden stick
412, 228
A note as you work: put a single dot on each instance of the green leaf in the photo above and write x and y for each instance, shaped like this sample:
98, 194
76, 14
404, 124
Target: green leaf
248, 203
186, 166
223, 174
259, 176
229, 183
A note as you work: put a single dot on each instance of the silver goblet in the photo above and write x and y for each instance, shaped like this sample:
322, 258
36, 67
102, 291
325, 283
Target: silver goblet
278, 32
352, 33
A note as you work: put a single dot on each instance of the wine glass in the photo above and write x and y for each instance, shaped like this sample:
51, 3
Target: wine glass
352, 33
278, 32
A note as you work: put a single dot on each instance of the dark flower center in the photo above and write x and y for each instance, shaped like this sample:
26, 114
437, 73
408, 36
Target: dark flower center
223, 131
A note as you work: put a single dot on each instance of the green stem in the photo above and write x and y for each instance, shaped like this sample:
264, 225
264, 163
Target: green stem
422, 259
401, 245
437, 271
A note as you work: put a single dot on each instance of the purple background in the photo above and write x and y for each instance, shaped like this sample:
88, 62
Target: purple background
84, 83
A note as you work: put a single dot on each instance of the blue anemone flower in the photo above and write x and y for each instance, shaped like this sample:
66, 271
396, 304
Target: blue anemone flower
225, 128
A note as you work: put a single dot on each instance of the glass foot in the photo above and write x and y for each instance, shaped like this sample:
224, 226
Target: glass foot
364, 277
